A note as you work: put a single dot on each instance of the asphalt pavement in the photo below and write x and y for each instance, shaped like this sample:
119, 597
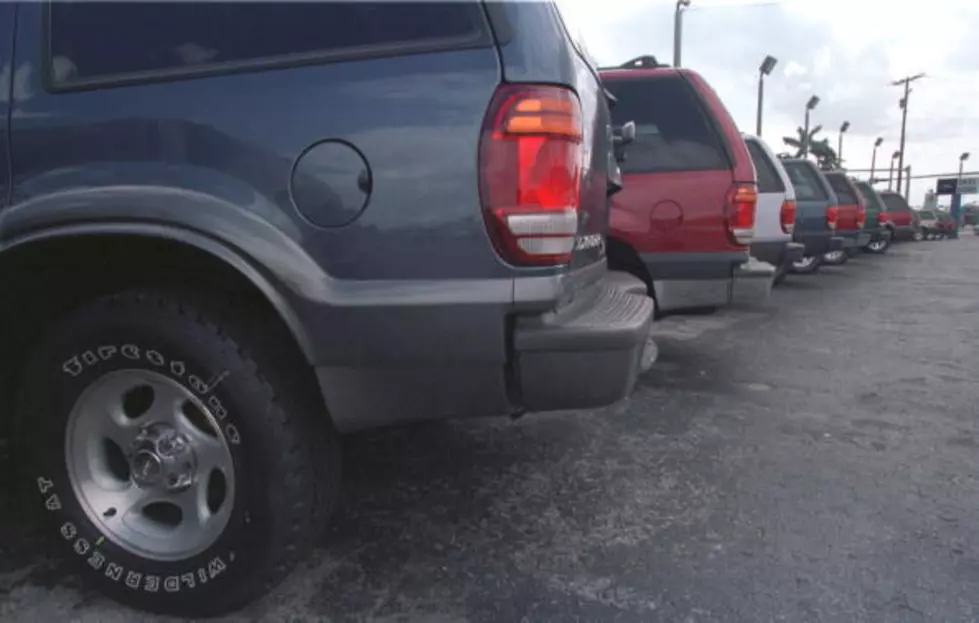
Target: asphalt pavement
813, 459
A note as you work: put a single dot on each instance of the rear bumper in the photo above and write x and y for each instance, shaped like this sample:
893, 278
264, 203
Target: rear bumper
752, 282
778, 253
686, 281
587, 354
818, 243
452, 358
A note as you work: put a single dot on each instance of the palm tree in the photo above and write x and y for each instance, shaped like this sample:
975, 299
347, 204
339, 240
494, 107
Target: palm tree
802, 139
820, 149
826, 156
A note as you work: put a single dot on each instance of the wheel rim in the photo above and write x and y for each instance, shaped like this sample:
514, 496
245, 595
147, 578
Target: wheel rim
834, 256
804, 263
149, 465
876, 245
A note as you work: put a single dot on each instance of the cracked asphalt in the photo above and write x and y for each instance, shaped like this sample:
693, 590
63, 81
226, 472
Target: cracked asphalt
814, 459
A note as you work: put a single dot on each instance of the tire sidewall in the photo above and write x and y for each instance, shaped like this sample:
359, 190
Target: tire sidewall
68, 362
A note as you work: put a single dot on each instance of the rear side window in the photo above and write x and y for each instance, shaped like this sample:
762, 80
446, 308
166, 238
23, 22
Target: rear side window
805, 181
842, 187
673, 132
768, 178
895, 203
870, 196
113, 39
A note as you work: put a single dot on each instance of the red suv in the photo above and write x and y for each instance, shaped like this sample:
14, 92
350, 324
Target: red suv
685, 217
901, 218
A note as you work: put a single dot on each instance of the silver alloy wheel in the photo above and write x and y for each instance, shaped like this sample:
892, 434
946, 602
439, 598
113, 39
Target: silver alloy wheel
834, 256
918, 236
877, 245
149, 465
806, 262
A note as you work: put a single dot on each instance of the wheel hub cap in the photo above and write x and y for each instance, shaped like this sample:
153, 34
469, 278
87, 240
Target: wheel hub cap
149, 466
162, 458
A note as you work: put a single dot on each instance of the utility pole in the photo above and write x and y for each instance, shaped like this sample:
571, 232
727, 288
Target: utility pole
907, 184
678, 30
904, 119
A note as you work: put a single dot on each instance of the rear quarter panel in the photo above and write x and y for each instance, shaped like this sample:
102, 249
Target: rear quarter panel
682, 211
768, 223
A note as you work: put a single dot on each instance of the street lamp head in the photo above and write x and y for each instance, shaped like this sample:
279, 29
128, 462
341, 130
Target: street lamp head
812, 102
768, 65
880, 139
964, 156
845, 126
895, 155
682, 3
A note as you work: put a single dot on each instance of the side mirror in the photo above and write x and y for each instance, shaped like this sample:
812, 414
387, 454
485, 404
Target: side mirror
622, 136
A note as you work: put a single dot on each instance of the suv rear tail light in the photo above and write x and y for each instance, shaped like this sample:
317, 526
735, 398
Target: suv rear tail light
832, 216
861, 217
787, 216
530, 162
741, 202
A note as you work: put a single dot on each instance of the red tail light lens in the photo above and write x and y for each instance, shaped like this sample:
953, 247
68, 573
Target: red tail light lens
786, 216
741, 203
832, 216
861, 216
530, 162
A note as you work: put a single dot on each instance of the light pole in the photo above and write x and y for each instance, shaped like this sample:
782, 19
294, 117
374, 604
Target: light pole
805, 139
766, 68
890, 176
873, 159
839, 147
904, 117
678, 30
962, 159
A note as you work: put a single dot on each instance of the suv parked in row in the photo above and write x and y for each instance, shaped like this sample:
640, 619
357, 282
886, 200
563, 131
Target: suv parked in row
901, 218
775, 215
222, 250
685, 218
850, 219
817, 214
875, 225
928, 221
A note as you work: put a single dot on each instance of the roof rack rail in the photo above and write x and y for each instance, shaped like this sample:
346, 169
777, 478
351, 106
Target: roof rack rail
642, 62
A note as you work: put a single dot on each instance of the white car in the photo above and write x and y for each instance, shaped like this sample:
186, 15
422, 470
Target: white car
775, 211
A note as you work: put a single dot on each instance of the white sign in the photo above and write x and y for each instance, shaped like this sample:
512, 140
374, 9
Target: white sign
969, 186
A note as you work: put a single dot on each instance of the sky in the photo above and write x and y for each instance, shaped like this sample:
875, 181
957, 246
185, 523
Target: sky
847, 52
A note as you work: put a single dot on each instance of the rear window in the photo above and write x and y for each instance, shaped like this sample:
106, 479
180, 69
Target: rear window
109, 39
926, 214
673, 132
768, 178
869, 196
842, 188
805, 181
895, 203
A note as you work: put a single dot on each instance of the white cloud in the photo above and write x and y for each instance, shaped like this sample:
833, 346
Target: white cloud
845, 51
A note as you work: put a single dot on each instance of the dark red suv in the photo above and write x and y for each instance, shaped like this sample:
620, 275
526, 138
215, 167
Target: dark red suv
686, 214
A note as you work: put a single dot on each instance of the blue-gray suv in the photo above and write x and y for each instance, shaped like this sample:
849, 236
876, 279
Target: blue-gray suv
232, 232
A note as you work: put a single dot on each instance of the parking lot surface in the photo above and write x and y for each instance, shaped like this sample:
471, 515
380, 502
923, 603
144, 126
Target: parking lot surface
816, 459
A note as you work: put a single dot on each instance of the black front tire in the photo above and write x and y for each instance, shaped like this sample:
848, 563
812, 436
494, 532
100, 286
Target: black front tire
811, 265
284, 453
